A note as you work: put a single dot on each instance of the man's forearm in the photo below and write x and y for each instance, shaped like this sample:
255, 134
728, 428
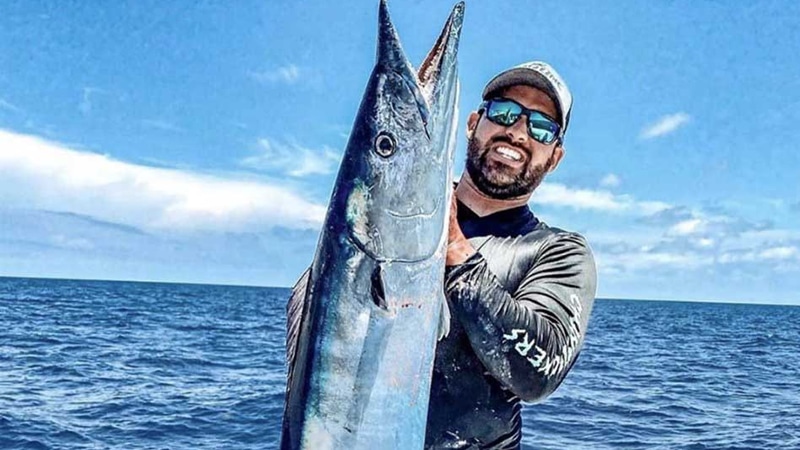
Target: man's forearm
530, 340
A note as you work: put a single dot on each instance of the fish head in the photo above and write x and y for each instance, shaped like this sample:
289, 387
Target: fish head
395, 180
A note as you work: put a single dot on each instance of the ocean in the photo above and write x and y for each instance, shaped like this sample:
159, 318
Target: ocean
124, 365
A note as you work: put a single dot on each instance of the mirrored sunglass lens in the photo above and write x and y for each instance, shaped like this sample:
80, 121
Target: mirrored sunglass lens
505, 113
543, 136
542, 129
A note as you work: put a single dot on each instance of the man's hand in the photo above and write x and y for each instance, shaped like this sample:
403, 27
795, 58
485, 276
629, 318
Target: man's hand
458, 247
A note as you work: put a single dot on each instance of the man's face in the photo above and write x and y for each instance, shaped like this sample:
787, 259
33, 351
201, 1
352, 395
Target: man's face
506, 162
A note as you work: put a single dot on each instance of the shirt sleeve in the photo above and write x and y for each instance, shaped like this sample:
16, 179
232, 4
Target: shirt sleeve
528, 339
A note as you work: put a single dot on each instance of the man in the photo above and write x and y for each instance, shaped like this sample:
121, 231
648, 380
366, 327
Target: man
520, 292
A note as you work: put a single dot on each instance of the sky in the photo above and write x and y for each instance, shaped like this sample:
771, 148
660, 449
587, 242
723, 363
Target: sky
198, 141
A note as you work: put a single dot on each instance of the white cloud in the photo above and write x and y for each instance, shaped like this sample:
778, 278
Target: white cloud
690, 254
610, 181
555, 194
652, 207
784, 252
694, 239
647, 260
678, 251
8, 106
705, 242
701, 223
63, 241
162, 125
85, 105
681, 238
560, 195
772, 254
665, 125
690, 226
771, 235
289, 74
292, 158
40, 174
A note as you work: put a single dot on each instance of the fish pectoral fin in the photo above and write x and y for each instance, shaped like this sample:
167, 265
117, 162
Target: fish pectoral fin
378, 288
444, 321
294, 317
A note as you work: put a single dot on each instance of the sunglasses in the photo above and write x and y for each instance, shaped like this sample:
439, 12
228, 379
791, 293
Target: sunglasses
502, 111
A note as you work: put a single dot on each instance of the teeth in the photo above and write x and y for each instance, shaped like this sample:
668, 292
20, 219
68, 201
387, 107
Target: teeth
509, 153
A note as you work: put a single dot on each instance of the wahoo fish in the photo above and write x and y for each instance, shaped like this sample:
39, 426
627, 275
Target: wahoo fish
364, 319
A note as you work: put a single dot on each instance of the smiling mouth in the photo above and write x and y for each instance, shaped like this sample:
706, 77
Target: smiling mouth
509, 153
504, 152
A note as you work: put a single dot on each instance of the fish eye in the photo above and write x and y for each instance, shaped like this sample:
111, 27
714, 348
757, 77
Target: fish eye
385, 144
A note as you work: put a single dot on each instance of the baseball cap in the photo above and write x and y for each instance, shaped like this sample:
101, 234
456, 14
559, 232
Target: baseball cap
540, 75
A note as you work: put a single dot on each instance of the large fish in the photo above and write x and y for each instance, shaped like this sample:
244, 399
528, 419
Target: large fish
364, 319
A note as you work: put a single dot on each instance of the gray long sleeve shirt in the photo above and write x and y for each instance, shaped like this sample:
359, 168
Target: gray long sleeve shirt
520, 309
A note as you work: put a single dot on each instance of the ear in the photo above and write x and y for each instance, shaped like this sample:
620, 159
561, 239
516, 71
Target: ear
472, 123
558, 153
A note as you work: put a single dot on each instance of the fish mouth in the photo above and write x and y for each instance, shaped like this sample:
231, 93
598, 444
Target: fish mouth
421, 214
406, 223
440, 62
377, 257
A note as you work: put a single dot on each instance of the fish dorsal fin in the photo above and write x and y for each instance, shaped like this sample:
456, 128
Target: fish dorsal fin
294, 317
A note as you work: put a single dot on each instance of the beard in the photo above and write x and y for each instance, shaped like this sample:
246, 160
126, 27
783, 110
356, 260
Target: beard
499, 181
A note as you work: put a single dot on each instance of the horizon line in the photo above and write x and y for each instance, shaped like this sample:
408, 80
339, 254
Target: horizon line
242, 285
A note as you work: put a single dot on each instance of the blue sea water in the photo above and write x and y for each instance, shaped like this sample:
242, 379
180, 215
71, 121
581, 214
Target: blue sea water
120, 365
